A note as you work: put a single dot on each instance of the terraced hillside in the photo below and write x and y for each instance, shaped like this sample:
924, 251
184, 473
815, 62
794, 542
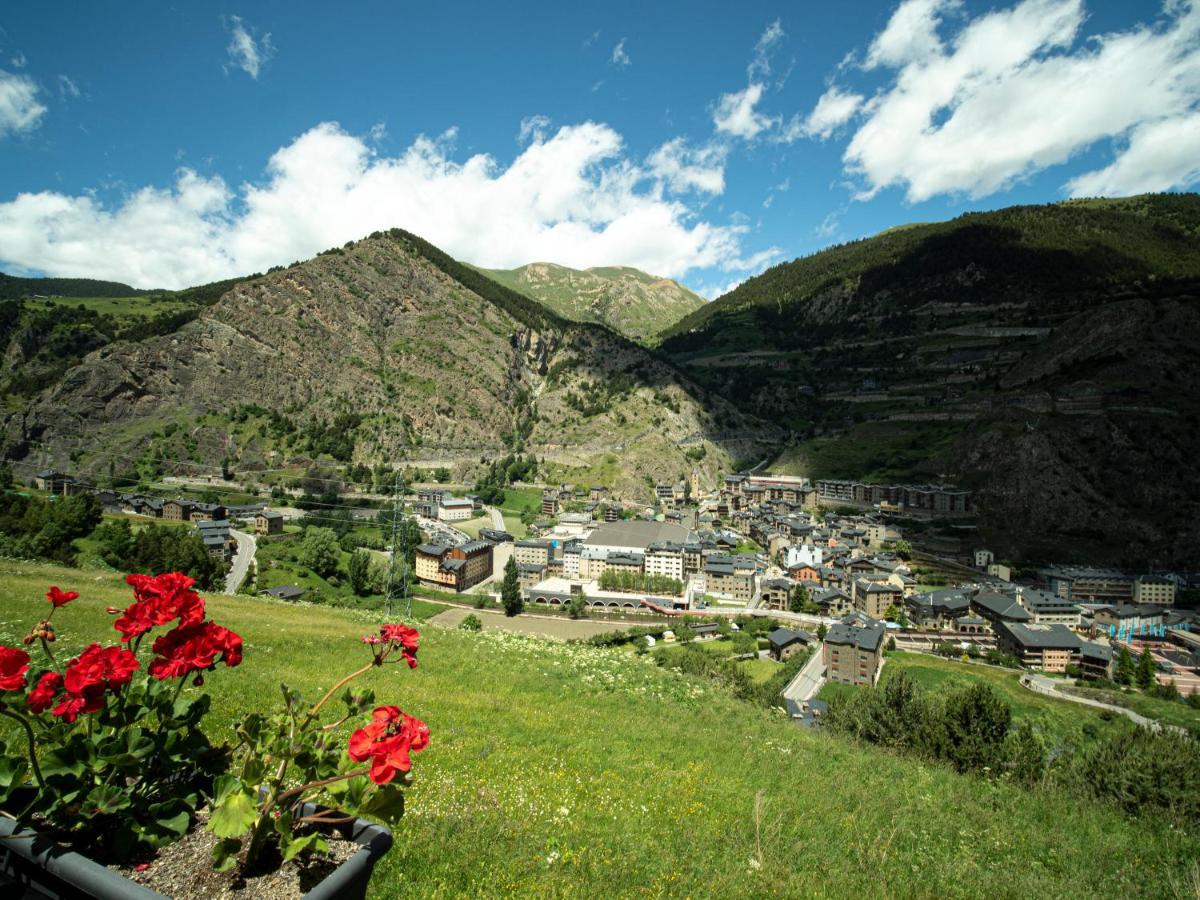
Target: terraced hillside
1040, 355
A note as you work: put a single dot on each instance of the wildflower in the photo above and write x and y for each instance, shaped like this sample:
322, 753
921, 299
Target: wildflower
60, 598
14, 664
387, 741
43, 694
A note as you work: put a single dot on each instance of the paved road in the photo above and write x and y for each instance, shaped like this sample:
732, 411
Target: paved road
247, 546
1040, 684
809, 679
497, 517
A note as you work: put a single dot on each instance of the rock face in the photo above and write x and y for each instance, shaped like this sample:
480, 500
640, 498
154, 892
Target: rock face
628, 300
375, 342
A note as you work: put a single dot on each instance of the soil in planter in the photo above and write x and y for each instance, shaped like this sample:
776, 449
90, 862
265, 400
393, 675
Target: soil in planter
183, 871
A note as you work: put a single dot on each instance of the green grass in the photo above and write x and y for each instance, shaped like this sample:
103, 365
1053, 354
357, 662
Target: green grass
518, 499
873, 451
119, 307
759, 669
561, 770
1167, 711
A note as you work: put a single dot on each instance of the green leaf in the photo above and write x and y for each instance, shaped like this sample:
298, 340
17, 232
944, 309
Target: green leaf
105, 800
12, 771
234, 814
170, 817
385, 803
283, 826
225, 854
61, 761
298, 845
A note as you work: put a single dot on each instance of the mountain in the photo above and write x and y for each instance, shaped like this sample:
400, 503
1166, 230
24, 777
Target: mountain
1041, 355
384, 350
628, 300
14, 288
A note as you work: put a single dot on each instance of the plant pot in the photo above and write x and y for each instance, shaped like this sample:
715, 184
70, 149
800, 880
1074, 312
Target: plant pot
33, 866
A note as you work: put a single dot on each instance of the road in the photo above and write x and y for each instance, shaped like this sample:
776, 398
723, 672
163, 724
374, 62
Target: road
247, 546
497, 517
1040, 684
809, 679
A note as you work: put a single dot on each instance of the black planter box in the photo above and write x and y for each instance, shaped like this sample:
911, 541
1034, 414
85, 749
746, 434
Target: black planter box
34, 867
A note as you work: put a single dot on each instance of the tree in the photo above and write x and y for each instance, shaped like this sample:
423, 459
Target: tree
577, 606
1126, 669
976, 722
360, 571
895, 614
904, 550
684, 633
798, 598
822, 631
320, 551
510, 590
1145, 670
1026, 756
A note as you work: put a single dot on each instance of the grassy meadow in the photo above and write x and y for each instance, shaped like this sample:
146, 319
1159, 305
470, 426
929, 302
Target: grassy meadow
562, 770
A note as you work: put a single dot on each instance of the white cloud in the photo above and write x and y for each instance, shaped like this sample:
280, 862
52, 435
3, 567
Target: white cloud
1015, 91
782, 188
18, 61
910, 35
1160, 156
595, 36
574, 198
20, 110
619, 56
735, 113
760, 64
245, 51
67, 88
682, 168
533, 128
834, 109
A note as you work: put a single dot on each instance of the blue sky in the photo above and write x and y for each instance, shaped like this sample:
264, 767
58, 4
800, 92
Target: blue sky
168, 146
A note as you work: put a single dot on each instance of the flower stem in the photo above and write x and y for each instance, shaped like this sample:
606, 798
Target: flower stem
312, 713
316, 784
37, 772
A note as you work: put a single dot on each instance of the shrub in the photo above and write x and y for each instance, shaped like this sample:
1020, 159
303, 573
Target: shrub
471, 623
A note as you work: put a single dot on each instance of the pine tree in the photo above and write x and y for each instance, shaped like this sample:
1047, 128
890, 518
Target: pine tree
360, 571
1125, 667
510, 589
1145, 670
798, 598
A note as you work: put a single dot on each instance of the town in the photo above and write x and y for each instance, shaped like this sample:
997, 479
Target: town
825, 565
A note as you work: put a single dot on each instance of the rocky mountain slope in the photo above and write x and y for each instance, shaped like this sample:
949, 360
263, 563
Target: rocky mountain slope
628, 300
379, 352
1042, 355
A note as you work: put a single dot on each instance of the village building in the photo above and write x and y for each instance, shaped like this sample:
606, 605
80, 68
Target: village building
1048, 609
268, 521
455, 567
1050, 648
1154, 589
455, 509
853, 650
784, 643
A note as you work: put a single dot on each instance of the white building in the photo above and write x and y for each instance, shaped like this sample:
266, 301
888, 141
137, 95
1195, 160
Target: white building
805, 555
455, 509
665, 560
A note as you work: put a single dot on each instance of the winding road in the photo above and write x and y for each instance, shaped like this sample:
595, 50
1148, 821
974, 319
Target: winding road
1040, 684
247, 547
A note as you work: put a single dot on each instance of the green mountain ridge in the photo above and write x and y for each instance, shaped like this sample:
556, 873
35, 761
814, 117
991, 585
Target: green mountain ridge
1040, 355
628, 300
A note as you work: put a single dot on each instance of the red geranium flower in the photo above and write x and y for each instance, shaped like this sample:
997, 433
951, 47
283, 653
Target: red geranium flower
13, 665
109, 668
387, 741
188, 649
42, 696
72, 705
408, 639
60, 598
160, 599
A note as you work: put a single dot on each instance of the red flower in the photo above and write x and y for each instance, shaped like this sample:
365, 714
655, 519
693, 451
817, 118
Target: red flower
160, 599
372, 639
408, 639
70, 707
108, 668
191, 648
42, 696
60, 598
387, 741
13, 665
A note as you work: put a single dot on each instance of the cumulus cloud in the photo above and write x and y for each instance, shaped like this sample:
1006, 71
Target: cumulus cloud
735, 113
20, 110
682, 168
1015, 91
533, 128
246, 52
574, 197
834, 109
619, 56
